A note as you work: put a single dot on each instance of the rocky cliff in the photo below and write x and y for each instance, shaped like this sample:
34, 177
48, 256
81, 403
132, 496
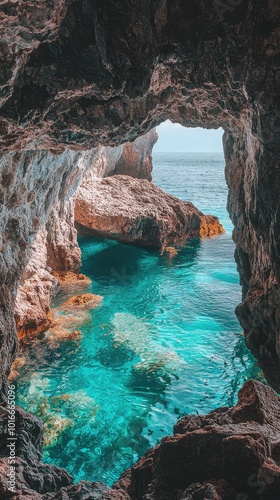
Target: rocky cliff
55, 248
76, 73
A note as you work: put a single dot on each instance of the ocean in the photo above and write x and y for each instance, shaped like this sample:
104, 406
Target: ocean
165, 341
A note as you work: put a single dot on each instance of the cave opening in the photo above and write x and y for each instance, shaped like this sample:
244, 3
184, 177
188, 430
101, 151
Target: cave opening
76, 74
110, 381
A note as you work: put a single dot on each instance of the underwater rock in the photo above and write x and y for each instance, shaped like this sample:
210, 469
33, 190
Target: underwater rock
132, 333
54, 425
83, 301
77, 406
58, 333
69, 278
170, 252
232, 450
69, 321
138, 212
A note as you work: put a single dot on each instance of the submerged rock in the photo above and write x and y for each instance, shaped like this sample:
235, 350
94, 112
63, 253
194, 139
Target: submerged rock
66, 278
170, 252
134, 335
83, 301
59, 333
137, 211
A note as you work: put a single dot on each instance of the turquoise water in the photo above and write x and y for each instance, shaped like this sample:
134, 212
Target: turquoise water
164, 342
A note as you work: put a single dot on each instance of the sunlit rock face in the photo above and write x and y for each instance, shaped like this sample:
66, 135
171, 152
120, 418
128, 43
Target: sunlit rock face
55, 247
138, 212
76, 73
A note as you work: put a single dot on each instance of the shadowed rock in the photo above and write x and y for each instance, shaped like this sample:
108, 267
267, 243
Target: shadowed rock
226, 453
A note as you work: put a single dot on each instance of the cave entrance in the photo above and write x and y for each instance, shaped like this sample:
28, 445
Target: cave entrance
165, 340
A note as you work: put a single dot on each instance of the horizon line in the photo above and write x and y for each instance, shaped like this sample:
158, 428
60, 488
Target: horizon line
203, 152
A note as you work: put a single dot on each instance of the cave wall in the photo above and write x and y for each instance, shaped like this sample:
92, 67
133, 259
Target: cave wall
55, 247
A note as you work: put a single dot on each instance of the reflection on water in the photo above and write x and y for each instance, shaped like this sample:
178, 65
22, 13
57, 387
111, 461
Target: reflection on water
164, 342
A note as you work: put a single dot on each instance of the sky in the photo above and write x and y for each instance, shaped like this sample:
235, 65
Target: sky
176, 138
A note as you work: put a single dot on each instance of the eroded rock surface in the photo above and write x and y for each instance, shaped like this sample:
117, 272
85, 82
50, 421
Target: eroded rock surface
55, 252
76, 73
138, 212
231, 451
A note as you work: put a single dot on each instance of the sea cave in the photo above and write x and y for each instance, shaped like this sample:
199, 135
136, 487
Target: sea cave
117, 262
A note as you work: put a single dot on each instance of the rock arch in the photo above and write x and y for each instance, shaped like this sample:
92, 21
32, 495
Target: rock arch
77, 73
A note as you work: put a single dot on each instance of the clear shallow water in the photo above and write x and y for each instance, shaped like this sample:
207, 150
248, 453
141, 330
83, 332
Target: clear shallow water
164, 342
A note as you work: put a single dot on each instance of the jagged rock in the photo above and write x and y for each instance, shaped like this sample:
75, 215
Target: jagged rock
36, 289
231, 449
63, 252
135, 157
56, 248
32, 480
83, 301
137, 211
70, 278
87, 491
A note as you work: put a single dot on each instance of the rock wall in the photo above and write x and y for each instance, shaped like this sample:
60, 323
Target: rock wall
56, 247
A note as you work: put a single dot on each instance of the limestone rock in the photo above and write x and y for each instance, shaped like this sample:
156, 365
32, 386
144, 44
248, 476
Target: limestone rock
133, 65
136, 157
131, 158
56, 248
36, 289
138, 212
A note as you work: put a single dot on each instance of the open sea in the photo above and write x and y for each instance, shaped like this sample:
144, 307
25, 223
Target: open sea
164, 342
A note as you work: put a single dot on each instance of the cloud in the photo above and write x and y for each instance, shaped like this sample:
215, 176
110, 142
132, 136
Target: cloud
168, 125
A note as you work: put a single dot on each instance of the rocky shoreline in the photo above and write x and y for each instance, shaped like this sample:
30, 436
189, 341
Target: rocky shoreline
230, 453
125, 207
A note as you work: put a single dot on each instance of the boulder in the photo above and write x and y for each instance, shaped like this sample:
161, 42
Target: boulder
138, 212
